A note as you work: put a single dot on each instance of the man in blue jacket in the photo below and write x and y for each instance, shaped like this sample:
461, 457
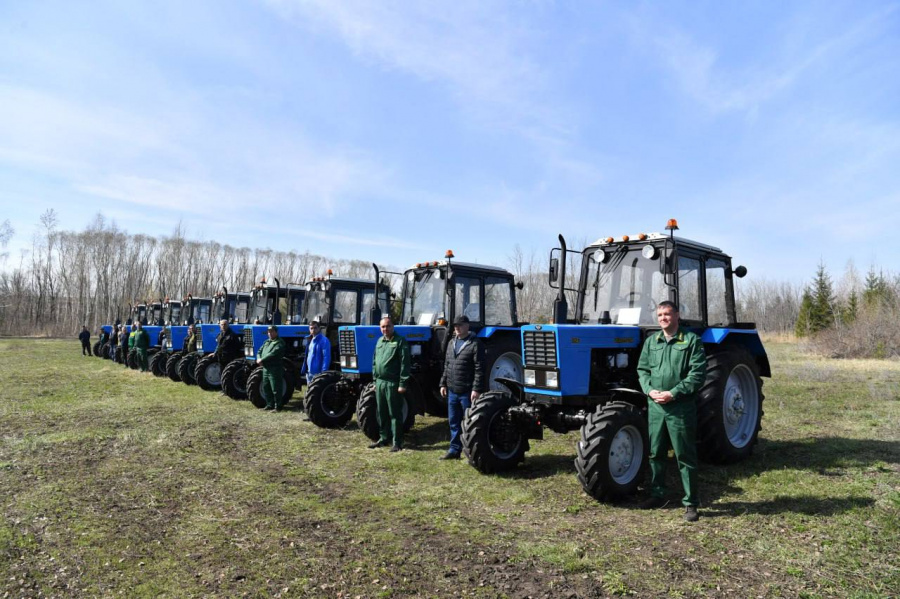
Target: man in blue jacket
318, 353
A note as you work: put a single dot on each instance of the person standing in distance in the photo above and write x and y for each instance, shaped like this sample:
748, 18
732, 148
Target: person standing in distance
671, 370
318, 353
463, 379
85, 337
141, 345
390, 368
271, 358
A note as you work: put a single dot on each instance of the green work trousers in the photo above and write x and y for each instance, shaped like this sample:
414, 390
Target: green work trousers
272, 388
142, 359
390, 411
674, 425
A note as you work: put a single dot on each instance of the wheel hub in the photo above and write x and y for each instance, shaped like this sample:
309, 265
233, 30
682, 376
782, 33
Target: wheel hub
621, 454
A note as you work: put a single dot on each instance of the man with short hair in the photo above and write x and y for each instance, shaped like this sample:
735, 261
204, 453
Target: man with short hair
671, 370
85, 337
318, 353
229, 345
463, 379
141, 345
390, 368
271, 356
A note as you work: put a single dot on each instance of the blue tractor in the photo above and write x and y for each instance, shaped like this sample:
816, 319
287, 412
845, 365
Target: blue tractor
194, 311
581, 373
269, 304
434, 294
234, 308
337, 302
171, 317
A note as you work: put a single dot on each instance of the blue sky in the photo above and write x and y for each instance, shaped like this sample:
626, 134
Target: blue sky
391, 131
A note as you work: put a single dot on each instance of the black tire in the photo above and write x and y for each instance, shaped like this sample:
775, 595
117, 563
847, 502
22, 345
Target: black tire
490, 439
186, 367
234, 378
172, 367
367, 412
729, 407
95, 349
208, 373
119, 357
329, 400
133, 359
104, 351
158, 364
613, 451
254, 385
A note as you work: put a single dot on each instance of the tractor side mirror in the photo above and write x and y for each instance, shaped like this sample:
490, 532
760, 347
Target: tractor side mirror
740, 272
554, 270
520, 285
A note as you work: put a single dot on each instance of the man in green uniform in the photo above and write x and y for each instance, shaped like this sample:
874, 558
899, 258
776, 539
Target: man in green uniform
141, 345
131, 337
271, 356
672, 369
390, 367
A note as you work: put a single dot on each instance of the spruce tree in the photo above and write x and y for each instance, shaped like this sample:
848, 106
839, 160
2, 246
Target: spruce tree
821, 315
802, 328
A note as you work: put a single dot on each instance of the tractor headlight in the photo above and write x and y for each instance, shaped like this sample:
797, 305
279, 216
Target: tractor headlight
553, 379
351, 361
530, 377
199, 344
248, 351
415, 350
296, 342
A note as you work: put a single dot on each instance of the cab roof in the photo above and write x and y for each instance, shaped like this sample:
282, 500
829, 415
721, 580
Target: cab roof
652, 237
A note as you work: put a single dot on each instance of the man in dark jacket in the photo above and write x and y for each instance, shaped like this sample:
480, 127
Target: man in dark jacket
229, 345
462, 381
85, 337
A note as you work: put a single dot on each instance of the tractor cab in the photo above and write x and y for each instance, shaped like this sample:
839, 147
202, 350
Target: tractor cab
233, 307
155, 314
196, 310
433, 294
137, 313
172, 312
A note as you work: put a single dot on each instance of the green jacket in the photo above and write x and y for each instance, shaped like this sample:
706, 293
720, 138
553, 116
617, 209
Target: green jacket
391, 361
677, 366
131, 338
142, 340
272, 352
190, 343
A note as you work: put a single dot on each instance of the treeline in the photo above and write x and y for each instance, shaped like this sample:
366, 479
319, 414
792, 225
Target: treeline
858, 319
90, 277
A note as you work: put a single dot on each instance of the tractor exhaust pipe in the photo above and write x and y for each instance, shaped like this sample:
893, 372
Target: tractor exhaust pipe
375, 312
560, 305
276, 315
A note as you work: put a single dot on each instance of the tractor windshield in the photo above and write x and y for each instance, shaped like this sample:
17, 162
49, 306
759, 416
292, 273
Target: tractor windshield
295, 309
623, 282
261, 306
316, 305
174, 314
202, 311
242, 309
156, 317
424, 292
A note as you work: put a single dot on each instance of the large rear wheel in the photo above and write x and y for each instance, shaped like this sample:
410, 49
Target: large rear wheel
490, 438
158, 364
729, 409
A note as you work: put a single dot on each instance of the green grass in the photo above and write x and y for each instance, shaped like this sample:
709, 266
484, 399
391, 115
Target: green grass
118, 483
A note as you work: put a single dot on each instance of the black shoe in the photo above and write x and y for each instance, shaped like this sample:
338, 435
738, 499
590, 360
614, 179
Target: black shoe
396, 448
690, 514
450, 455
378, 444
654, 503
267, 408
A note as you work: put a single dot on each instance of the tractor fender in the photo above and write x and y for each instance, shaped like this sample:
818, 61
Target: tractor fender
516, 388
746, 338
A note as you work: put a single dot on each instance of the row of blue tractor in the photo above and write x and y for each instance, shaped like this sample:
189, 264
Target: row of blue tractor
577, 373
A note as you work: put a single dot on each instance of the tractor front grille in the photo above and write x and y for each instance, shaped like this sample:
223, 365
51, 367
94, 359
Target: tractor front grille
347, 343
540, 348
248, 339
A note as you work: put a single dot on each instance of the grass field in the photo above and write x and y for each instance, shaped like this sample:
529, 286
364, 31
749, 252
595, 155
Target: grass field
116, 483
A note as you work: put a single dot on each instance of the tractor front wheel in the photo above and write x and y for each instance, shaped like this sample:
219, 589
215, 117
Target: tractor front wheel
186, 367
490, 438
158, 364
255, 388
96, 348
208, 373
367, 412
329, 400
172, 366
234, 378
612, 452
